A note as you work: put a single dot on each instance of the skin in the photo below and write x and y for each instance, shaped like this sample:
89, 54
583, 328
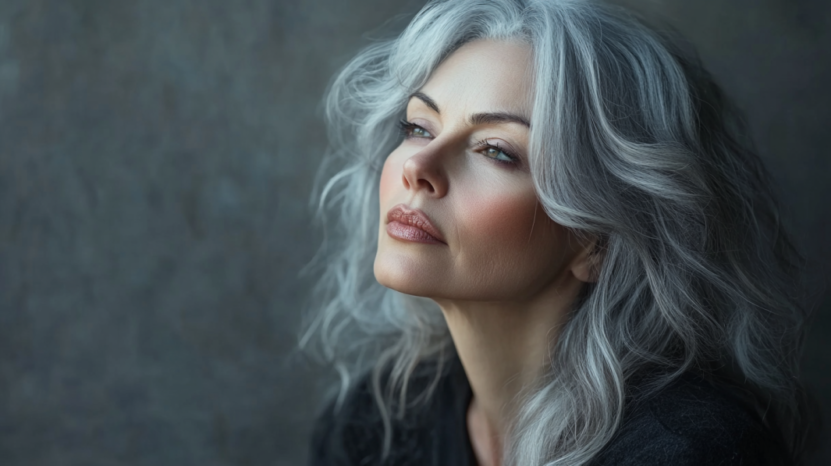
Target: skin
506, 275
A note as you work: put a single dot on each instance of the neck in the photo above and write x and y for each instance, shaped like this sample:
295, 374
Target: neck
505, 350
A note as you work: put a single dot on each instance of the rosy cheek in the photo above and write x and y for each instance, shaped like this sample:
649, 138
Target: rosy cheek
505, 221
388, 177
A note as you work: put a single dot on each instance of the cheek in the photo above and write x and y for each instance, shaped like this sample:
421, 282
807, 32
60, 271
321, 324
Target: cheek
509, 236
501, 221
390, 174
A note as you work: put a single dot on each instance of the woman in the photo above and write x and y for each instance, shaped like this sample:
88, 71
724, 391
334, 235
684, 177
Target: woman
578, 258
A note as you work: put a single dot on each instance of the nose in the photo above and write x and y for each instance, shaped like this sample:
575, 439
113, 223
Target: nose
424, 172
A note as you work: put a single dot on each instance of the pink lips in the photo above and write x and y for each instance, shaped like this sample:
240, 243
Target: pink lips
412, 225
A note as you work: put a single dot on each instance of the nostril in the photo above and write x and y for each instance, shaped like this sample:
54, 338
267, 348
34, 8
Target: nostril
422, 172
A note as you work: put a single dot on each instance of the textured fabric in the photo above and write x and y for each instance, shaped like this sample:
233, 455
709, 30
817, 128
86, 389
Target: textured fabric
430, 435
688, 423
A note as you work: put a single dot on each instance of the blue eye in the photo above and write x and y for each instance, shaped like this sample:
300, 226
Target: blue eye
412, 130
420, 132
494, 152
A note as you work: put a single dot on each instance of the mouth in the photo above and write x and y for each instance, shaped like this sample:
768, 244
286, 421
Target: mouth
412, 225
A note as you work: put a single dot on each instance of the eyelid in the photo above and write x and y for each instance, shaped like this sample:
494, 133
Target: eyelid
500, 145
407, 127
425, 124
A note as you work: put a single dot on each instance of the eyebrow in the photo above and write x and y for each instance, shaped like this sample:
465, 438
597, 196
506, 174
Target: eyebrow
478, 118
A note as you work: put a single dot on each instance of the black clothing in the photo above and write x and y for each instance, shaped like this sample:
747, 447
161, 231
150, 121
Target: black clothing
690, 422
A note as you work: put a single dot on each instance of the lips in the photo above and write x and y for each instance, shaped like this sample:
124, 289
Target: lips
412, 225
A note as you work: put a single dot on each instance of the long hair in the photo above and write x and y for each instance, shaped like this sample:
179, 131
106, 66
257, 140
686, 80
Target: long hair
632, 144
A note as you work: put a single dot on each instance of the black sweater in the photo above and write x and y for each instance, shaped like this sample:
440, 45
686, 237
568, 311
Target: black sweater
690, 422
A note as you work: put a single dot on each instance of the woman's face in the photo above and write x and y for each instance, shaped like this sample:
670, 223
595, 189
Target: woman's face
459, 215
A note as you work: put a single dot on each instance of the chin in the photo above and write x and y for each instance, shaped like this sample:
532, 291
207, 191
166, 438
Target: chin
407, 276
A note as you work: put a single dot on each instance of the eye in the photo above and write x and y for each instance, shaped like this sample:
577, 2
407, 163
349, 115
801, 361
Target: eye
493, 151
497, 154
412, 130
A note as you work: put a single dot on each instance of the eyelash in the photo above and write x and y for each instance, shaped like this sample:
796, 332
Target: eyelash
407, 129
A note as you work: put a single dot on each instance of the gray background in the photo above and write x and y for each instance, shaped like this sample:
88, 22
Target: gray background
156, 157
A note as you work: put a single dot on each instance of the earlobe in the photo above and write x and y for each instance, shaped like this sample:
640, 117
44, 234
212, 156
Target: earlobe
586, 265
583, 269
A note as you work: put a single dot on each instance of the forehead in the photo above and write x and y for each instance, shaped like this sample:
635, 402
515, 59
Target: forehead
485, 76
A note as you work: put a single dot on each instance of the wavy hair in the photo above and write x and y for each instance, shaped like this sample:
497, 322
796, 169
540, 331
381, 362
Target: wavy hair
633, 144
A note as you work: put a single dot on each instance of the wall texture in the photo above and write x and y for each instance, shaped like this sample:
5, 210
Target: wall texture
156, 157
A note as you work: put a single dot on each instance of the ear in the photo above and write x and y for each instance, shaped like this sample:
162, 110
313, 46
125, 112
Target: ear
587, 262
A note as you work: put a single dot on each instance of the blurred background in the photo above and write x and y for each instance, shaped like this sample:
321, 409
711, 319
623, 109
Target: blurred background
156, 160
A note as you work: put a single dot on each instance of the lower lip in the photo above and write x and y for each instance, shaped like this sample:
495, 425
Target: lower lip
410, 233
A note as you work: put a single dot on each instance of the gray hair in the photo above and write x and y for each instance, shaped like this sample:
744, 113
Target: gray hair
632, 144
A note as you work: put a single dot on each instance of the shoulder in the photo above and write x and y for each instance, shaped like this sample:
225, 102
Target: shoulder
354, 431
345, 432
692, 422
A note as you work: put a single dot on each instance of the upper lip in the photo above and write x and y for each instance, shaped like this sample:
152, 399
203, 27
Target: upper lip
414, 217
